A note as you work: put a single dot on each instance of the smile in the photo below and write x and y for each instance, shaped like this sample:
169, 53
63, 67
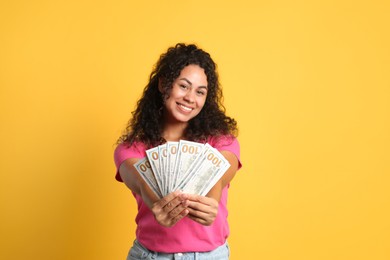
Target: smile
188, 109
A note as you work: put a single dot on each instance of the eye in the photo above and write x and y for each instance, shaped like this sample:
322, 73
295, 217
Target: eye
201, 92
183, 86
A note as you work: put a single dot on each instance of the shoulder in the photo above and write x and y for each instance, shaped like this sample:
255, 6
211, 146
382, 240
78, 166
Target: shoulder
228, 143
125, 151
224, 142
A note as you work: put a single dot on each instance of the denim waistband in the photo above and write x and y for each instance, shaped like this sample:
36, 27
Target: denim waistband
138, 251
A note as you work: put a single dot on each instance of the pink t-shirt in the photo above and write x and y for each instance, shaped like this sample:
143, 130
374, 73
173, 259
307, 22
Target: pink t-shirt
187, 235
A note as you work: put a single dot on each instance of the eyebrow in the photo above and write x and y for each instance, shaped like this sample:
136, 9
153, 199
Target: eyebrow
189, 82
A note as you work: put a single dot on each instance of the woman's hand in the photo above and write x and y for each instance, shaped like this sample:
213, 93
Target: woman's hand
202, 209
170, 209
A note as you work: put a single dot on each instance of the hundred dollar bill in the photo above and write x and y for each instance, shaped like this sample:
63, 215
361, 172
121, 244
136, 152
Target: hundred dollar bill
210, 184
144, 169
172, 149
153, 157
192, 168
162, 151
188, 152
210, 168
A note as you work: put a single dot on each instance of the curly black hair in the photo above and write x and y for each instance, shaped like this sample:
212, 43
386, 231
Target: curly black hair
146, 124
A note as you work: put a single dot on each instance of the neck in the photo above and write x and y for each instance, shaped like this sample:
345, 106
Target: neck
174, 132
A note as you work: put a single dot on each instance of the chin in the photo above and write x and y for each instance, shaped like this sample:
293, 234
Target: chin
182, 119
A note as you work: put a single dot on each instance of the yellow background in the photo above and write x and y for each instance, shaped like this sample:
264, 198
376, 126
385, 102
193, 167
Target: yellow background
308, 82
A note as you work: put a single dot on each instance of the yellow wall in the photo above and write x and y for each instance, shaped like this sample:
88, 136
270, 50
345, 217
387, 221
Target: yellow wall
308, 82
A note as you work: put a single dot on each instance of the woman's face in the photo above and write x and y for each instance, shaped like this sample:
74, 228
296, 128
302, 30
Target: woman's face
187, 96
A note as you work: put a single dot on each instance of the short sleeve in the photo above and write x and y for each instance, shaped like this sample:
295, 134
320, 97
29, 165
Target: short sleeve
124, 152
227, 143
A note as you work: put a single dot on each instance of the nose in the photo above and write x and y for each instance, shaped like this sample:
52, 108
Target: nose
190, 96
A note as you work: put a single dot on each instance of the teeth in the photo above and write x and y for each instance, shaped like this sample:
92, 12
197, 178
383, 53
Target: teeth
185, 108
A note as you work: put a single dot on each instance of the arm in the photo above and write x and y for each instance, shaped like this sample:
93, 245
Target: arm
204, 209
168, 210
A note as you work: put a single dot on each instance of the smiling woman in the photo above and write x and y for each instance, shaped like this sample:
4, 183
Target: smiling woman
172, 69
182, 101
187, 96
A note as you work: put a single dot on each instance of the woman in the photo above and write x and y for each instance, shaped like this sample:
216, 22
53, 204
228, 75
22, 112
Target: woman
181, 101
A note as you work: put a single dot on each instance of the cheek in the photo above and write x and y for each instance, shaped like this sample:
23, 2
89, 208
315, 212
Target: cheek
168, 102
201, 103
175, 95
171, 102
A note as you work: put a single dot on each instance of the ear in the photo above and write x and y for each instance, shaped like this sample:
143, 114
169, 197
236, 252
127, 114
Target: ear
160, 87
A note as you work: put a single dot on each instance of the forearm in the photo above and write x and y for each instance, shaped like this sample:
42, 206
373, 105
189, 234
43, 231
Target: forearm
216, 191
135, 183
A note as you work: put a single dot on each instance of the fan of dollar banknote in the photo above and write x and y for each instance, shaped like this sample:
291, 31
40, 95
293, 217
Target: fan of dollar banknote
187, 166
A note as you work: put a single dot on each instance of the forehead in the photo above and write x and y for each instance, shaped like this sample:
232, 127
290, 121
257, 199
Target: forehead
194, 74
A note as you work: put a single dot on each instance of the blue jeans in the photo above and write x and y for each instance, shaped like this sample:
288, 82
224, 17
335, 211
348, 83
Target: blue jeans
138, 251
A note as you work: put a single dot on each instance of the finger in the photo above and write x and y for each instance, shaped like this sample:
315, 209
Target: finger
179, 216
202, 199
178, 209
204, 207
177, 201
197, 206
165, 200
169, 222
197, 219
194, 197
198, 214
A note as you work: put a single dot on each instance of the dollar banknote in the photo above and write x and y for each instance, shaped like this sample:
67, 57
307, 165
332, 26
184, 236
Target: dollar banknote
162, 151
153, 157
209, 169
186, 157
172, 151
188, 166
144, 169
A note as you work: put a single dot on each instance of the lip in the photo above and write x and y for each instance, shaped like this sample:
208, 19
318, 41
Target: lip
184, 108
